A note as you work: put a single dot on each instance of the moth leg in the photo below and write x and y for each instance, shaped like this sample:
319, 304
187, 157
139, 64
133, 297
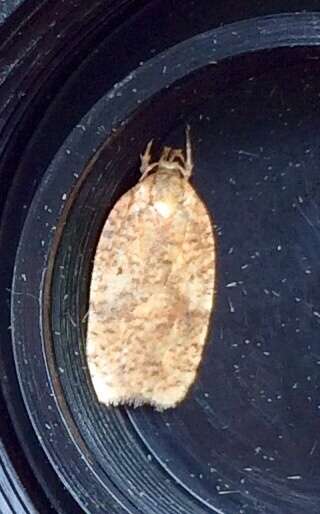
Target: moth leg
147, 170
146, 166
188, 164
146, 157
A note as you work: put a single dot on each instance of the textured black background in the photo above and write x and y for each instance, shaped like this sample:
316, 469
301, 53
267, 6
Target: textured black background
23, 464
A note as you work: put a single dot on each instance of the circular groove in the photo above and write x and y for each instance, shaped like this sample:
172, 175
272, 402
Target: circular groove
265, 29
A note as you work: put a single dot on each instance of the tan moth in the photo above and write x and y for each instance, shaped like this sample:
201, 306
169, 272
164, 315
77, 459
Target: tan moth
152, 288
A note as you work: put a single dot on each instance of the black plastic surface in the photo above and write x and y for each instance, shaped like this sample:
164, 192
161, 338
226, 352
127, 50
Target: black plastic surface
246, 439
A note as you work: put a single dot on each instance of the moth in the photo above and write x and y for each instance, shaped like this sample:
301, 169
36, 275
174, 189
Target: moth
152, 287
